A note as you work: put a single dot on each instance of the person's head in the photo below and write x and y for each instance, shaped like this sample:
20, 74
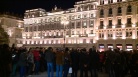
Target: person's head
66, 49
5, 46
50, 49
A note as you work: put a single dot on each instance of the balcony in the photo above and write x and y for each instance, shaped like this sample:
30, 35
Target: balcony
129, 13
101, 27
109, 26
118, 26
83, 35
101, 16
110, 15
128, 25
53, 36
119, 14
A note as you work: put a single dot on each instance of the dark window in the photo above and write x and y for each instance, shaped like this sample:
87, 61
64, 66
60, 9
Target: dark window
137, 33
91, 23
30, 29
110, 1
101, 23
34, 28
110, 11
78, 24
119, 21
110, 22
101, 12
26, 29
110, 34
129, 9
128, 20
119, 0
128, 34
72, 25
119, 10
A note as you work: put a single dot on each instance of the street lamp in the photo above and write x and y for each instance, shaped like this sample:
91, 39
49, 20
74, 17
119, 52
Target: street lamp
65, 22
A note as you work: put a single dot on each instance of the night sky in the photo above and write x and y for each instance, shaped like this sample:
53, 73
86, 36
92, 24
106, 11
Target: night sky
19, 6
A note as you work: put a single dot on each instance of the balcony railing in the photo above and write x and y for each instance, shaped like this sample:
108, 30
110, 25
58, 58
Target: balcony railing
109, 26
53, 36
101, 27
119, 14
118, 26
129, 13
128, 25
83, 35
101, 16
110, 15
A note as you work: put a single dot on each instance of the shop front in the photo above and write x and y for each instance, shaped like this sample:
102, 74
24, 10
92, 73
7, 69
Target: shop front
119, 46
129, 47
110, 46
101, 47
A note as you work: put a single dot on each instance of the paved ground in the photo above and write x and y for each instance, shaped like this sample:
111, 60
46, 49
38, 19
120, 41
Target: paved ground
44, 74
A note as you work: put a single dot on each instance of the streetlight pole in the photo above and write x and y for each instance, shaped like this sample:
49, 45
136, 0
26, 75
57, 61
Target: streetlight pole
65, 22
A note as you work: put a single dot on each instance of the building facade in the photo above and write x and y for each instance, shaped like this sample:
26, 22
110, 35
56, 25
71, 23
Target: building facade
101, 23
13, 26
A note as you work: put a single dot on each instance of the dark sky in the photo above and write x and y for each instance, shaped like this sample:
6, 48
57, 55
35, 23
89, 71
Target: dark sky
19, 6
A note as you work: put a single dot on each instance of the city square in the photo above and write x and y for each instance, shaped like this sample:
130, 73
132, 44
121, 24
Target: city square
94, 35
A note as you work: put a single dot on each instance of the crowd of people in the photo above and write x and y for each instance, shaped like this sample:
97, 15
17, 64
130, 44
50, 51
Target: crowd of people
116, 63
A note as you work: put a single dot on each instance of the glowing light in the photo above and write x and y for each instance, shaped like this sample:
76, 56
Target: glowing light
41, 42
23, 42
81, 41
94, 41
123, 37
113, 27
105, 38
28, 42
36, 42
114, 37
97, 38
104, 27
123, 26
32, 42
87, 41
133, 37
133, 25
64, 21
45, 42
69, 41
54, 42
49, 42
59, 42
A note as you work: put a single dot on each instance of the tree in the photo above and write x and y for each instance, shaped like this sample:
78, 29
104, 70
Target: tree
4, 37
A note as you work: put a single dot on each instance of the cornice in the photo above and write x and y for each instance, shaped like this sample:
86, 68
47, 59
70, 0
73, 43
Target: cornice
115, 5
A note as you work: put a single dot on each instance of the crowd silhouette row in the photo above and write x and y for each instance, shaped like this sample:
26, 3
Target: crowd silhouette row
116, 63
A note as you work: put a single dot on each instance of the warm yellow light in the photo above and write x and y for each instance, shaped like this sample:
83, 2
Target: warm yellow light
133, 25
133, 37
123, 37
104, 27
123, 26
114, 37
32, 42
113, 27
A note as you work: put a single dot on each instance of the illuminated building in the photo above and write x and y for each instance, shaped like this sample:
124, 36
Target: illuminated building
13, 26
102, 23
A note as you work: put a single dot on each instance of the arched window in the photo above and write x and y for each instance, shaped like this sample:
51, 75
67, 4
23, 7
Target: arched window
119, 10
101, 12
110, 11
129, 8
